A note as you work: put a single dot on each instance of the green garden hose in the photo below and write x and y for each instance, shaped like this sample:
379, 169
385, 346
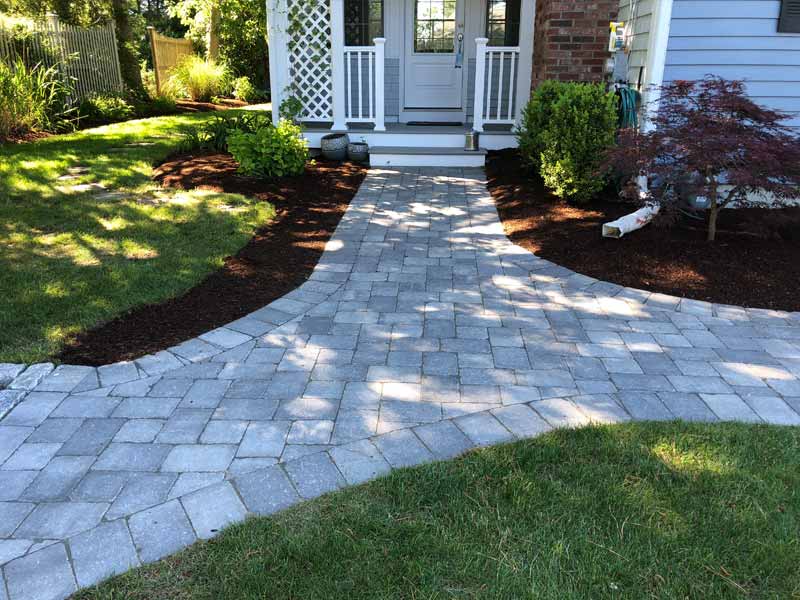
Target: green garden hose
629, 100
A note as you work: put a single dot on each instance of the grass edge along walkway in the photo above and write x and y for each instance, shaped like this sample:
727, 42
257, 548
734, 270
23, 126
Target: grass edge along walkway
668, 510
71, 258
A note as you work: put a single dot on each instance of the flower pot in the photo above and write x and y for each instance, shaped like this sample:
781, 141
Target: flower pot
358, 152
334, 146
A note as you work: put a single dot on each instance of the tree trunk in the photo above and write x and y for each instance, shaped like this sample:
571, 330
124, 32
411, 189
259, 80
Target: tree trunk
212, 35
713, 211
128, 59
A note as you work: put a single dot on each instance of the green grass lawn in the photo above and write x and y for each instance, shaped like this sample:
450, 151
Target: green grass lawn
635, 511
69, 261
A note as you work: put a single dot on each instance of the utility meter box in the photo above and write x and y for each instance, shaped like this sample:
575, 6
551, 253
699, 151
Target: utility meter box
617, 39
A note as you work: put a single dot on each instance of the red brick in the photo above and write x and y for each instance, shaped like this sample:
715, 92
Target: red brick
570, 39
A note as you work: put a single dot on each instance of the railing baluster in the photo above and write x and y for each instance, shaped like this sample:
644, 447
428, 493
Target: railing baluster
509, 114
360, 91
490, 56
370, 89
348, 83
500, 85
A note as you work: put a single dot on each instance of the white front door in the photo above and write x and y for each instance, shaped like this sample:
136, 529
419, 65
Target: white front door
434, 54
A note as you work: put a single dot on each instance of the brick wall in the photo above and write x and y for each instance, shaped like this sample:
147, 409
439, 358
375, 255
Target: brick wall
571, 39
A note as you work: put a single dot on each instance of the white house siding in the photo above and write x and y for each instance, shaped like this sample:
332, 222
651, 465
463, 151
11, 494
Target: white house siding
638, 15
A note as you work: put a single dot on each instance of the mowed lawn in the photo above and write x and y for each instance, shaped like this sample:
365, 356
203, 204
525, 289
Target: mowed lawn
72, 259
642, 510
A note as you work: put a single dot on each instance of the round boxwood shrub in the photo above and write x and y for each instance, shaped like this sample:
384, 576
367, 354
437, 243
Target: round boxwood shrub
270, 151
535, 117
580, 128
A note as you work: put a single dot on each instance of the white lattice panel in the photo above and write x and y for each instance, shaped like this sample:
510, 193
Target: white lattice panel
310, 57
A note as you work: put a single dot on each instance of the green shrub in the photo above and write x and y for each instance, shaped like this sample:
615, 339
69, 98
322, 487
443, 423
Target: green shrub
197, 79
245, 91
535, 117
270, 151
213, 134
99, 109
580, 127
155, 106
31, 99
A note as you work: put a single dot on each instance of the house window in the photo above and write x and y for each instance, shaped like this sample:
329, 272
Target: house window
363, 21
789, 21
434, 25
502, 22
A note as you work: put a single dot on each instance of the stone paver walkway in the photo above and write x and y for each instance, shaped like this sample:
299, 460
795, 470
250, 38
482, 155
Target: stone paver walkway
423, 332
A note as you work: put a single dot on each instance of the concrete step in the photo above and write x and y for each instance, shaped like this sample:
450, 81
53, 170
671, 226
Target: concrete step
419, 156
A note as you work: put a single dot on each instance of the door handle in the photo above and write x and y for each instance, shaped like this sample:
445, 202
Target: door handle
459, 50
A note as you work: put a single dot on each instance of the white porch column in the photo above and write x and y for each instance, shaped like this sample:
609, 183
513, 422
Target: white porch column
337, 64
277, 24
380, 54
480, 82
527, 30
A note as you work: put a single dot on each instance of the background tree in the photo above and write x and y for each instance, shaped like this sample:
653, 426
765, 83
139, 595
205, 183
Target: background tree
711, 140
241, 33
127, 47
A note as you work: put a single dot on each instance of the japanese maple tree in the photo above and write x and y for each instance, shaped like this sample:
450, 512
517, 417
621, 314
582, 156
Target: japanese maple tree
709, 139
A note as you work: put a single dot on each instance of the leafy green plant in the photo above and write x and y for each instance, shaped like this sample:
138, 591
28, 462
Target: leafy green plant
213, 135
291, 109
197, 79
270, 151
32, 99
246, 91
535, 117
580, 127
100, 109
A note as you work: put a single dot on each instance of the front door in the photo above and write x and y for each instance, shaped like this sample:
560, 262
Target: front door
434, 55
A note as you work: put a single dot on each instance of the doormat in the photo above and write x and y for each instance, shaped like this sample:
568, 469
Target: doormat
437, 123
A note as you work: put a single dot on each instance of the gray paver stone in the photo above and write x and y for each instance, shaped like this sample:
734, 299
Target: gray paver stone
102, 552
160, 531
359, 461
213, 508
41, 575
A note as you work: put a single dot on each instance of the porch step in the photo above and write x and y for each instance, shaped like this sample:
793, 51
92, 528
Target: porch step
419, 156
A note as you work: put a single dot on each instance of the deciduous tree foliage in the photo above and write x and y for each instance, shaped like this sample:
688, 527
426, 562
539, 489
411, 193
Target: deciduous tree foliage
711, 140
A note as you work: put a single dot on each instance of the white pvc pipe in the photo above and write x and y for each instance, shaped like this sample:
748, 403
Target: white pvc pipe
635, 220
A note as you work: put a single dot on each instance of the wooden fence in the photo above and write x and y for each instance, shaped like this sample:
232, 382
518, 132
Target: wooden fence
167, 52
86, 58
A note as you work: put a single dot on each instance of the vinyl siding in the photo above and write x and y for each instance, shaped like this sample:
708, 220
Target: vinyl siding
737, 39
638, 15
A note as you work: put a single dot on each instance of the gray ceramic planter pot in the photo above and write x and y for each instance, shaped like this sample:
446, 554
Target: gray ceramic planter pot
334, 146
358, 152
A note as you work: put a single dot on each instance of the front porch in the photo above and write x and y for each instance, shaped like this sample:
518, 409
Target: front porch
436, 70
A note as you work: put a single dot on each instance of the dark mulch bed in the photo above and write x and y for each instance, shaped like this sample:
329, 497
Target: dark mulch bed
21, 138
755, 261
223, 104
277, 259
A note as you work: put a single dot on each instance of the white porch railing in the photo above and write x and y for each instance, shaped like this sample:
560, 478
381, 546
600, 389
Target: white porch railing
496, 79
364, 84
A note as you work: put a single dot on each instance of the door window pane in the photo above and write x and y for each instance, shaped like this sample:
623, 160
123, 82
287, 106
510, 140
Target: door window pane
434, 25
363, 21
502, 22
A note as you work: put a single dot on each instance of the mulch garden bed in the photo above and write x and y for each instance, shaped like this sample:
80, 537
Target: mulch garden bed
755, 261
275, 261
196, 106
